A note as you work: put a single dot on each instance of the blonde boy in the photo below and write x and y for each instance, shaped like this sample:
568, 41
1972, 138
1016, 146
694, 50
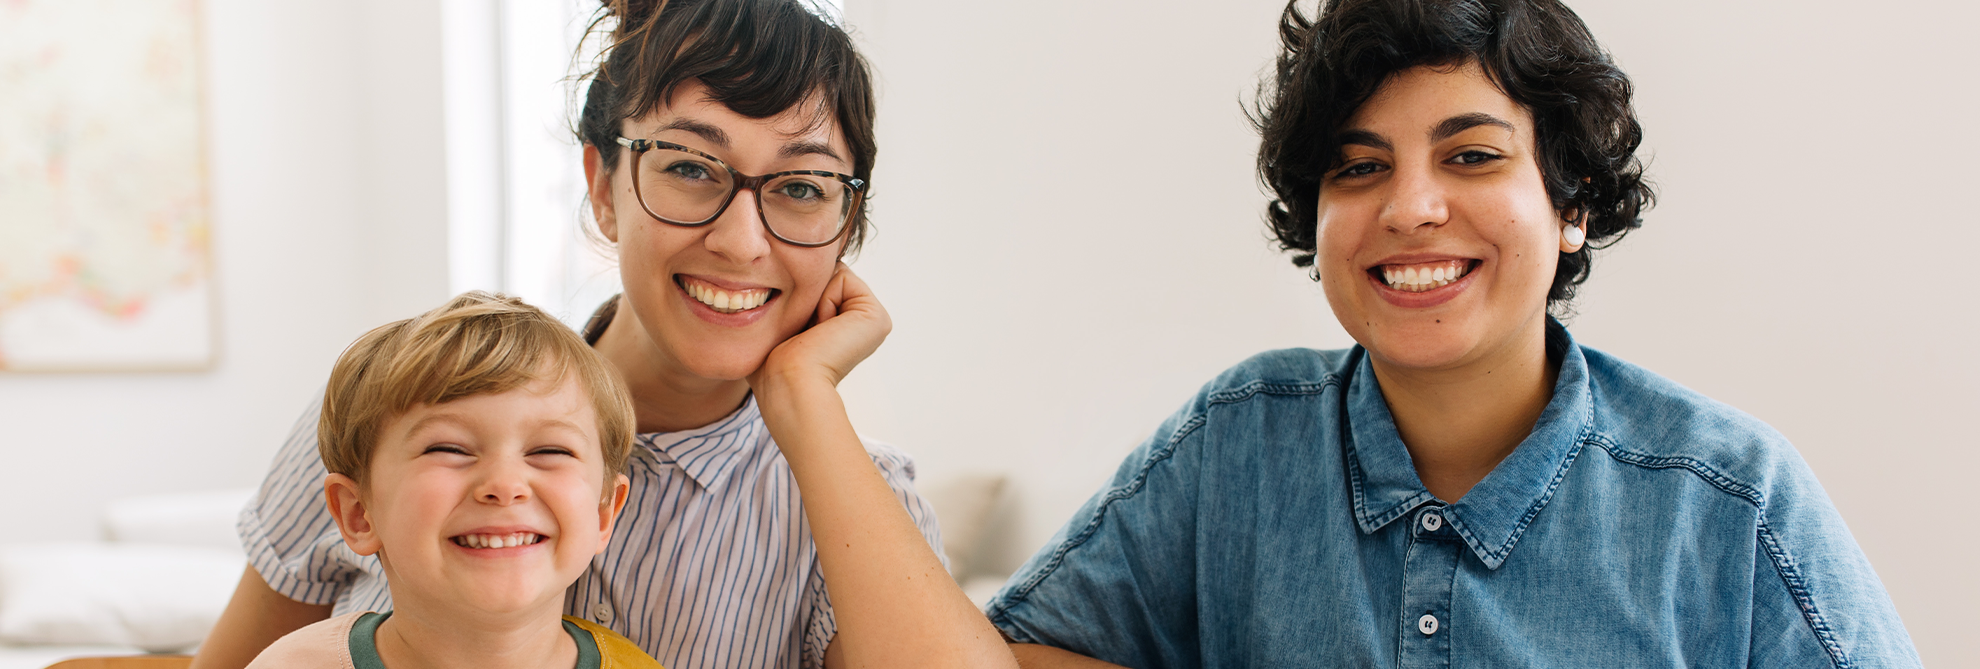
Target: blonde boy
477, 451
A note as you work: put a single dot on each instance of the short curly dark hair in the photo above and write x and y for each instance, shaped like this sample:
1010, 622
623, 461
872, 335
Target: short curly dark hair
1537, 51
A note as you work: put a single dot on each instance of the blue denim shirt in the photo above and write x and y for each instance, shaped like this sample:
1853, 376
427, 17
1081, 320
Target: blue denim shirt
1277, 521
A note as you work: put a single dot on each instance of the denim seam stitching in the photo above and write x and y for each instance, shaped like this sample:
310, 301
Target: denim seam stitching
1585, 437
1778, 555
1533, 510
1352, 460
1135, 485
1375, 523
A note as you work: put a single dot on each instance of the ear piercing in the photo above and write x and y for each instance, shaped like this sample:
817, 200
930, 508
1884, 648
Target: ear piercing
1573, 236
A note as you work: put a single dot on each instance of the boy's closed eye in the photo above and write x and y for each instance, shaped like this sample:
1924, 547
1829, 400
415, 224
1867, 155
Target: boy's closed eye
545, 452
446, 449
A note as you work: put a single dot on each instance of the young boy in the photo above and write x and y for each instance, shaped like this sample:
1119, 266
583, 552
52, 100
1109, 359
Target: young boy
477, 450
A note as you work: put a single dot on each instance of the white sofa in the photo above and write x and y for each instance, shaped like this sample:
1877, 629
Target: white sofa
156, 582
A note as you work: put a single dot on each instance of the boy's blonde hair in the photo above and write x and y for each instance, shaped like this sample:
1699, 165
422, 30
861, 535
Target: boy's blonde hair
477, 343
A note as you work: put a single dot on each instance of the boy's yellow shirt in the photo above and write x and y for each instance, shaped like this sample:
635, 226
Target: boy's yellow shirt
349, 641
614, 651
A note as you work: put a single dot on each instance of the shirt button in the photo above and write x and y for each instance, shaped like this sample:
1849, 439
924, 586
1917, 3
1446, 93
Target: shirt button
1431, 521
1427, 624
604, 615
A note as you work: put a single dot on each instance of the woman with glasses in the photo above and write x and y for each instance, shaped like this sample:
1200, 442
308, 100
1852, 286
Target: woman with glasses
1468, 486
727, 150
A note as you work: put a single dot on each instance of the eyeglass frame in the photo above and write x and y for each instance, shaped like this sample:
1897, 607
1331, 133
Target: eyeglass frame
740, 181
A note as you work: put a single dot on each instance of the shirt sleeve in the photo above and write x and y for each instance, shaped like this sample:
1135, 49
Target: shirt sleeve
897, 469
1118, 582
291, 540
324, 644
1816, 600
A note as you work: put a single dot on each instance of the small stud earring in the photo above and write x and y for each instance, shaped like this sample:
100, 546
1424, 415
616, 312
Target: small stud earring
1573, 237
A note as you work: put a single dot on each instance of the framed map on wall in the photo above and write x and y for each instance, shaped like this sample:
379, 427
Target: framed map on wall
104, 251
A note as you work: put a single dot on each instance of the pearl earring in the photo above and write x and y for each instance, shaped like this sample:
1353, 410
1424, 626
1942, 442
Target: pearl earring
1573, 236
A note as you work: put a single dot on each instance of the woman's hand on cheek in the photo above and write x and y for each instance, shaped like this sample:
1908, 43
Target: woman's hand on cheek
847, 326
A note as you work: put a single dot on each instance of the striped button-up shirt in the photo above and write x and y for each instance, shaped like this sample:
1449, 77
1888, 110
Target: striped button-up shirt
711, 563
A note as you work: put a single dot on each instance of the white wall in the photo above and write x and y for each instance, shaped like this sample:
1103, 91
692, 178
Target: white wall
1068, 234
329, 218
1070, 243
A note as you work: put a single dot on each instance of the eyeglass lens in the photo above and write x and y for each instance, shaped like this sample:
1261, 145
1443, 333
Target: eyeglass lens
685, 188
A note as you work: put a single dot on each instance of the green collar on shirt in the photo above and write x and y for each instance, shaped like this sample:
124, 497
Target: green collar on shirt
364, 643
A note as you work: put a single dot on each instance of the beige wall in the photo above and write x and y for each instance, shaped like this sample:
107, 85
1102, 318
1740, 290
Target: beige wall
1070, 242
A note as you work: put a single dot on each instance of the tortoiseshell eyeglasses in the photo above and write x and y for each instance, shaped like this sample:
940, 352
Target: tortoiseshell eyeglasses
688, 188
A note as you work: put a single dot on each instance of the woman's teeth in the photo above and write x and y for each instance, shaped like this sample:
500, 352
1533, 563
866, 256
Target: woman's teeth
497, 540
1425, 276
726, 301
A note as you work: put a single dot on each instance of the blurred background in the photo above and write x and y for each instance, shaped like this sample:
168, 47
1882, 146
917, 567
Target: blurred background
1069, 238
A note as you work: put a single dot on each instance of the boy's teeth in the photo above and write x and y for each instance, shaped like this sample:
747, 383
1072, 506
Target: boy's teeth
1419, 278
497, 540
725, 301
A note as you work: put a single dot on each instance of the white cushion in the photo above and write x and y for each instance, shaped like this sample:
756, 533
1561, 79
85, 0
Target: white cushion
158, 598
185, 519
980, 589
963, 505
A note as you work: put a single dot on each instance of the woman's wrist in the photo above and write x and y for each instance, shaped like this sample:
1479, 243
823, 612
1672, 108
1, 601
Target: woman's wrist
800, 407
790, 383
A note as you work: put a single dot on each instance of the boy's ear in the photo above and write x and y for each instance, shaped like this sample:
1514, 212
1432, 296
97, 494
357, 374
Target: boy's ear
608, 509
598, 184
353, 518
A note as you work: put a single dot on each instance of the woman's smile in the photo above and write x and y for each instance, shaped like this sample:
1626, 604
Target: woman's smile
1421, 276
1411, 282
725, 302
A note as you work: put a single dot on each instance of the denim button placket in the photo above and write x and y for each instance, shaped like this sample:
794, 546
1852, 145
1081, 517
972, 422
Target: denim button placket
1429, 566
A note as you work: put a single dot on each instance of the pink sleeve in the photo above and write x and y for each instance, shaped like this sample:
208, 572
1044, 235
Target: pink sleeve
323, 645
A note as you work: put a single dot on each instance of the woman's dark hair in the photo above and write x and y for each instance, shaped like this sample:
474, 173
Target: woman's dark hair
759, 58
1537, 52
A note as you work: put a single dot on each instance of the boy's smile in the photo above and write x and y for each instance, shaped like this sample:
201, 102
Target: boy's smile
492, 502
490, 540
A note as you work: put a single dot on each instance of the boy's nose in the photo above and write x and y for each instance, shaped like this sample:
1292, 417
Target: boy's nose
502, 486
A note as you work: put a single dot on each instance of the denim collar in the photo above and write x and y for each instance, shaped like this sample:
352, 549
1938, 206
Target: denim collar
707, 453
1493, 514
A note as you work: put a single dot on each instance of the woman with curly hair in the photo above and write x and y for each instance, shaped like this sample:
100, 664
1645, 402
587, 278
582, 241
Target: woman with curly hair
1468, 485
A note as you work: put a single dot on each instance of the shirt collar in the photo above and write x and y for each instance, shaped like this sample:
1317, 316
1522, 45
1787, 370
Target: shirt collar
707, 453
1493, 515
